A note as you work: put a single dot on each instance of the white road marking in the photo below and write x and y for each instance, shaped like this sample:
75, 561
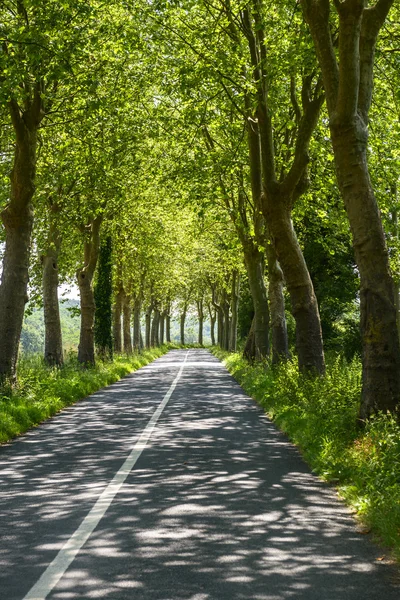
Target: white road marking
68, 552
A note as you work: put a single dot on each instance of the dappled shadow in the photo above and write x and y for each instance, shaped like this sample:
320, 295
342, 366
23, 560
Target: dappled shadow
219, 505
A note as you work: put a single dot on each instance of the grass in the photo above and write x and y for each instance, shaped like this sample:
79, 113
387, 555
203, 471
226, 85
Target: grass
320, 416
42, 391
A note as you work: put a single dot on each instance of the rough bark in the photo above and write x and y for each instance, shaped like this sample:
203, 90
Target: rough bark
182, 324
200, 314
53, 347
225, 305
126, 323
148, 326
84, 276
137, 309
117, 314
17, 218
280, 344
249, 351
168, 322
103, 293
254, 261
298, 281
348, 84
234, 309
155, 327
220, 326
395, 220
213, 318
162, 326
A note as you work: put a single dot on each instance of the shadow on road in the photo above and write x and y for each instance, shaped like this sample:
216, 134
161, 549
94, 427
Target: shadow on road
219, 506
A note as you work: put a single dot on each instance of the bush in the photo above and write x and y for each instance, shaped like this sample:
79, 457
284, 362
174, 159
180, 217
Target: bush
319, 414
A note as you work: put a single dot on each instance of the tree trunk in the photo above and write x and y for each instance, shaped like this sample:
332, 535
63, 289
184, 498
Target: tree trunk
213, 318
155, 341
162, 326
17, 219
249, 352
235, 309
254, 261
137, 307
280, 345
348, 82
220, 327
309, 344
53, 347
117, 313
103, 292
200, 314
381, 352
148, 326
182, 323
127, 317
168, 323
85, 279
226, 328
395, 220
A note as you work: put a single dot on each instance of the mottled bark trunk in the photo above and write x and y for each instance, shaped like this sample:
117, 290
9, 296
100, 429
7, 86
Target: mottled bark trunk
254, 261
348, 82
234, 310
155, 326
86, 355
53, 348
280, 345
148, 326
17, 218
226, 320
86, 338
381, 352
395, 219
168, 328
126, 320
168, 322
182, 326
137, 308
249, 351
309, 344
117, 314
220, 326
200, 314
213, 318
162, 327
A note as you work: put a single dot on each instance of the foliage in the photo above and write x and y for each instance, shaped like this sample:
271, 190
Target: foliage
319, 415
42, 391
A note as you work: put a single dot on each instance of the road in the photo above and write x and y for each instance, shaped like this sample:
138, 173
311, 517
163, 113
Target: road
172, 485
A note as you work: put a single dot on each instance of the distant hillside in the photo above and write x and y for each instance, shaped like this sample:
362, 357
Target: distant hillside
32, 338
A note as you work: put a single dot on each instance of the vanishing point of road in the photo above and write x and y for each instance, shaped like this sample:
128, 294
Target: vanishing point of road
172, 485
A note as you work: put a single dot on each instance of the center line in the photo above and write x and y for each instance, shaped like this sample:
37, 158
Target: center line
68, 552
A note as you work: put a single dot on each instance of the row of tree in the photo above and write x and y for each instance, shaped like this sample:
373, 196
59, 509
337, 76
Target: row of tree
185, 145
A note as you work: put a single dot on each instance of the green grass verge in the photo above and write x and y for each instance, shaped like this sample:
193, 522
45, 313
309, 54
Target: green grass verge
43, 391
319, 415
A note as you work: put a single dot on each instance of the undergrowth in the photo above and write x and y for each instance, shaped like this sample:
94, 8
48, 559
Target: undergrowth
320, 416
42, 391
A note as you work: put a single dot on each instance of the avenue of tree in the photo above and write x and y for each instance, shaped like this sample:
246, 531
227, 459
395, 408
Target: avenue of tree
239, 159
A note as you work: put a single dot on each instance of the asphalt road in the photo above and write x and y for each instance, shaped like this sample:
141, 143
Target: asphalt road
210, 502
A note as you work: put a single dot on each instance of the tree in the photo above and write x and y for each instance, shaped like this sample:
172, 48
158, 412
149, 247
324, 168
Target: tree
102, 299
348, 82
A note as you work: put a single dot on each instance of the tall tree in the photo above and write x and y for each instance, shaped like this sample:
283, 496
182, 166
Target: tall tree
348, 82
